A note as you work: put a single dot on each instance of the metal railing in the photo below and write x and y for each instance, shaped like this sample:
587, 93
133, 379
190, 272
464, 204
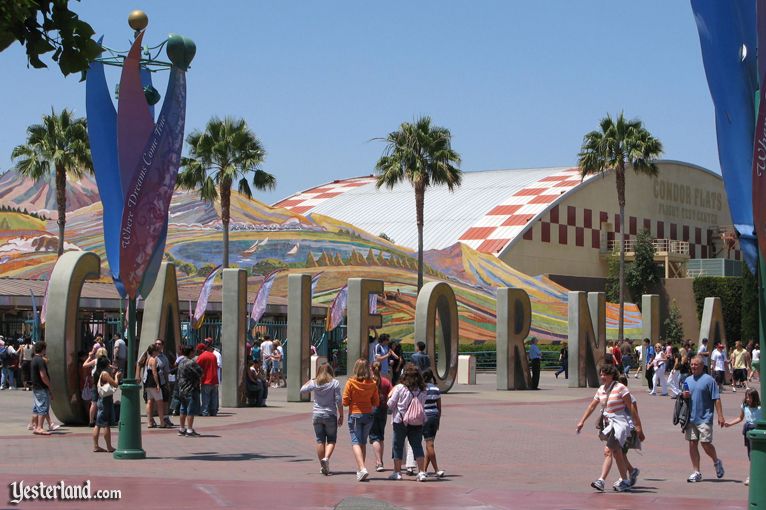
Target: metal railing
659, 245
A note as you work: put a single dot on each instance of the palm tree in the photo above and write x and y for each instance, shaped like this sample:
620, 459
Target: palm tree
422, 154
619, 144
60, 144
227, 151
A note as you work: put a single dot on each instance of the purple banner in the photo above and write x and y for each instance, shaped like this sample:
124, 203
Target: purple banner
262, 298
44, 309
145, 214
337, 309
759, 146
204, 295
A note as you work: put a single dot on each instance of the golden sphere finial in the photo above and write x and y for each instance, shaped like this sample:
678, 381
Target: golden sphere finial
138, 20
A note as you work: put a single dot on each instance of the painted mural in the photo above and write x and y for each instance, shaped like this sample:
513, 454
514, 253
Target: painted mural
263, 239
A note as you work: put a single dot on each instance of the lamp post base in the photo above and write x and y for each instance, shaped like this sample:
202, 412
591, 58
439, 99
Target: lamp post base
757, 436
129, 441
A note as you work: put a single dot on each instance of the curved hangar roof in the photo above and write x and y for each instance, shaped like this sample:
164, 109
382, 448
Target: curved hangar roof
487, 212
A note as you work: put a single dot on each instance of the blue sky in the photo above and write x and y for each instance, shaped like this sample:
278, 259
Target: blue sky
518, 83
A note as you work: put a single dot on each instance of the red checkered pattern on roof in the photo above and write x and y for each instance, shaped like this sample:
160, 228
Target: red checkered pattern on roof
303, 203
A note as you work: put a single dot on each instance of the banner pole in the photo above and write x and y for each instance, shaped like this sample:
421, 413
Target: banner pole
129, 441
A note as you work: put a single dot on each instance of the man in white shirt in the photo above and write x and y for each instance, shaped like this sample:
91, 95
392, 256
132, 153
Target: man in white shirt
718, 362
267, 346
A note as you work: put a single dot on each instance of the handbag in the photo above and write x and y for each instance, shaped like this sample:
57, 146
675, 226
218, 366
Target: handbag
105, 390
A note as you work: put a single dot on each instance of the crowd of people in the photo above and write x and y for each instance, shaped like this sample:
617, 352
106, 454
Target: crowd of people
682, 373
414, 403
384, 385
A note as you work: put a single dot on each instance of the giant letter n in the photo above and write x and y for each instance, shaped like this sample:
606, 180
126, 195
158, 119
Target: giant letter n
587, 338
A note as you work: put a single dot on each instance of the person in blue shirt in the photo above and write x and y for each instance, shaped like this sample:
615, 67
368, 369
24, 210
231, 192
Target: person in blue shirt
420, 359
649, 354
535, 358
705, 401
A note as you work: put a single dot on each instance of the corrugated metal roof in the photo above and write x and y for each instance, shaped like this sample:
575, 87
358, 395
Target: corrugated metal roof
447, 216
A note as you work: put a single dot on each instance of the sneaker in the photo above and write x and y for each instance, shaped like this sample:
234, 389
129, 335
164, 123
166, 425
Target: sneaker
695, 477
747, 481
362, 475
634, 476
54, 426
733, 389
440, 474
396, 475
379, 468
325, 463
598, 485
168, 422
718, 468
191, 433
181, 432
411, 471
622, 486
422, 476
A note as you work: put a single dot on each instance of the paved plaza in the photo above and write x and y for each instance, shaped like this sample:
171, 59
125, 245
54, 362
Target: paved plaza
499, 449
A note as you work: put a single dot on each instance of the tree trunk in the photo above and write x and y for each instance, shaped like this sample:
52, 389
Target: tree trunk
61, 204
621, 201
225, 193
420, 193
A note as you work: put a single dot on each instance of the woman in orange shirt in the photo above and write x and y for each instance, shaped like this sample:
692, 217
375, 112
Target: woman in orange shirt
361, 397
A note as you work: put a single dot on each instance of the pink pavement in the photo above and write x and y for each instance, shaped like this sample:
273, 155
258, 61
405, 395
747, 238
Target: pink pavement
499, 449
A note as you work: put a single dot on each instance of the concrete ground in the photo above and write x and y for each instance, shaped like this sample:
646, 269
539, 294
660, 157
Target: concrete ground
499, 449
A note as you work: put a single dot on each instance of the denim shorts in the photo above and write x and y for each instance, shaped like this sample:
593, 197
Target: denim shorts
431, 427
378, 429
359, 426
42, 402
189, 404
326, 429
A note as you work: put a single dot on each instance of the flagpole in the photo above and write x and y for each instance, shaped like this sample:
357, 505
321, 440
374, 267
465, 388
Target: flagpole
129, 441
757, 436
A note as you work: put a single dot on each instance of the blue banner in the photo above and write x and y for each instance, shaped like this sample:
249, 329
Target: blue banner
102, 132
727, 32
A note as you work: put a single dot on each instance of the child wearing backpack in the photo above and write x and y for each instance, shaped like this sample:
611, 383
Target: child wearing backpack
406, 402
750, 413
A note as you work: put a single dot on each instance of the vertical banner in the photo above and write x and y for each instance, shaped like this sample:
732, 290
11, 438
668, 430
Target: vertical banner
147, 199
759, 144
727, 33
262, 298
337, 309
204, 295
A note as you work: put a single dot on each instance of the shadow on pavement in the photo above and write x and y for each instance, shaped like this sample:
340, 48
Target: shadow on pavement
226, 457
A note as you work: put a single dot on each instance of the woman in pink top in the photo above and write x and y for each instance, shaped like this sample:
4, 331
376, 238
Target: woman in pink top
615, 402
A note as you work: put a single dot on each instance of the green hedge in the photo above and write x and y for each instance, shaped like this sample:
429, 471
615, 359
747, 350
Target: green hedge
729, 289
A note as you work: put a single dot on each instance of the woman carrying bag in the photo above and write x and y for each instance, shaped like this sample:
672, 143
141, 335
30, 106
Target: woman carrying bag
105, 386
613, 423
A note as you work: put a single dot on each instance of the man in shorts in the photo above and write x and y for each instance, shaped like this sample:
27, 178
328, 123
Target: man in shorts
738, 363
702, 389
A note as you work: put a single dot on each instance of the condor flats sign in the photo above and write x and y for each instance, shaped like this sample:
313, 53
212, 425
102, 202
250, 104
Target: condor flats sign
686, 201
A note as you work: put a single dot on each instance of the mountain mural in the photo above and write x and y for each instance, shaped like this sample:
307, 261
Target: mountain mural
264, 238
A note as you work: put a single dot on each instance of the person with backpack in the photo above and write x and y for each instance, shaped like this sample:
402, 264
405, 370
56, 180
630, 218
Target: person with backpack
407, 401
361, 397
189, 378
7, 356
327, 414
